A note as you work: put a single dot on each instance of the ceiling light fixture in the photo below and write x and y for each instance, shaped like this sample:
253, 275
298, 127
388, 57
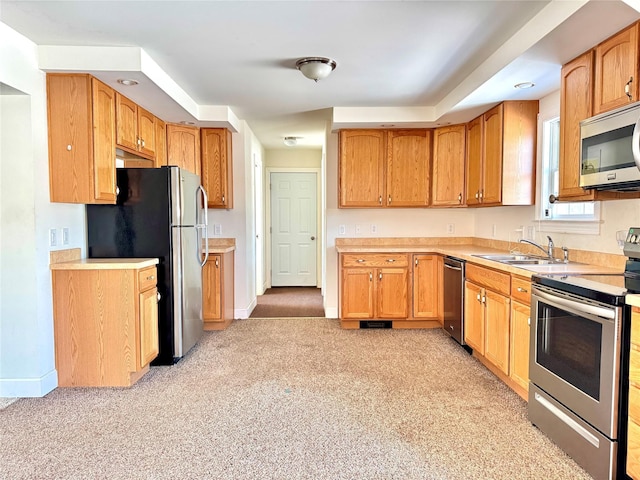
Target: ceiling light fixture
127, 82
290, 141
185, 122
524, 85
316, 68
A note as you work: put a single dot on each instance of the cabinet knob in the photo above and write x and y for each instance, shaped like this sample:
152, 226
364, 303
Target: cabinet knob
529, 321
391, 260
142, 141
370, 277
478, 297
416, 262
360, 260
138, 141
627, 89
380, 275
477, 194
460, 198
158, 296
222, 198
69, 147
389, 199
217, 263
117, 190
380, 199
522, 290
150, 277
481, 194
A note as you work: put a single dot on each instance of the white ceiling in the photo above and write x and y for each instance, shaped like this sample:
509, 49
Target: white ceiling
395, 58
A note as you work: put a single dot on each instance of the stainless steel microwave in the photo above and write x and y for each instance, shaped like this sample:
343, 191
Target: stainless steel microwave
610, 150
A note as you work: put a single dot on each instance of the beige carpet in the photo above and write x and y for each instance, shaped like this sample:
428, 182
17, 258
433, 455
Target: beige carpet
283, 302
289, 399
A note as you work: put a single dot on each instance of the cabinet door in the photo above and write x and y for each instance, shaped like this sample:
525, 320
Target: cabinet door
448, 166
146, 132
475, 135
392, 292
104, 144
491, 191
362, 154
633, 450
216, 166
161, 142
408, 167
576, 96
183, 147
212, 289
357, 293
474, 316
617, 70
519, 357
148, 342
496, 317
127, 123
426, 285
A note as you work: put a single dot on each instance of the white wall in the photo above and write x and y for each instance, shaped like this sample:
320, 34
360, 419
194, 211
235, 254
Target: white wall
26, 319
293, 157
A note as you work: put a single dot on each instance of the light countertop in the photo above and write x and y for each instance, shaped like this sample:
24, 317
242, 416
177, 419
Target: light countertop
105, 264
221, 245
633, 300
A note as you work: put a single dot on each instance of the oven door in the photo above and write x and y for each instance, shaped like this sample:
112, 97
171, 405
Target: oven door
575, 355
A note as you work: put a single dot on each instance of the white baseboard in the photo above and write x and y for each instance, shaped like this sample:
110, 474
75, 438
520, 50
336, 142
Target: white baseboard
331, 312
28, 387
241, 313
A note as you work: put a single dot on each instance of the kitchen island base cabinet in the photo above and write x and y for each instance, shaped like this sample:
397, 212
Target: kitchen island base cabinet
218, 291
105, 325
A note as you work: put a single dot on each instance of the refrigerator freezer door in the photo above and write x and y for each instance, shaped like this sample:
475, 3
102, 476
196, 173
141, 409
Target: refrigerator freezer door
185, 197
187, 287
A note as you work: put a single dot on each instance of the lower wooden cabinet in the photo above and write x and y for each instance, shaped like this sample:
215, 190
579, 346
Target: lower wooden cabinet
633, 435
105, 323
374, 286
218, 291
519, 356
427, 287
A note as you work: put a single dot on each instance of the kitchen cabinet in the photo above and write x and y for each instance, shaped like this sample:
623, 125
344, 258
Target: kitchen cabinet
384, 168
616, 70
487, 309
520, 331
633, 437
501, 151
427, 287
183, 147
217, 169
374, 286
218, 291
448, 189
105, 321
82, 139
161, 142
135, 132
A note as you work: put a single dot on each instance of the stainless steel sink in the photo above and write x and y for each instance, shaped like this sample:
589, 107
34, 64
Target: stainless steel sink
520, 259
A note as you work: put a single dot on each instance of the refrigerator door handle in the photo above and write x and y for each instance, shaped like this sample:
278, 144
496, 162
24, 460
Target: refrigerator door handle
205, 200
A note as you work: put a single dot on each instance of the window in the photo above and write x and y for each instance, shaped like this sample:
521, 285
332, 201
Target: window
574, 213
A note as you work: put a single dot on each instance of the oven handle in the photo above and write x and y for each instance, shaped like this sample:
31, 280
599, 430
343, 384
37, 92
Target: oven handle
581, 307
563, 417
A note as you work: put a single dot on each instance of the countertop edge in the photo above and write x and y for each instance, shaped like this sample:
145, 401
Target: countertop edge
633, 300
105, 264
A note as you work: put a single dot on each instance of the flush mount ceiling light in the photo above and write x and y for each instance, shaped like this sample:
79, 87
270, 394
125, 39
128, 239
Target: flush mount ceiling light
290, 141
524, 85
316, 68
127, 82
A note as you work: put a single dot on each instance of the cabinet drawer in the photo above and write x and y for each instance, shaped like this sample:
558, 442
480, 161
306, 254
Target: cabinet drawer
492, 279
521, 290
375, 260
147, 278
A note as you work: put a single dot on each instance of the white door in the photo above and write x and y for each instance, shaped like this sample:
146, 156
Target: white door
293, 229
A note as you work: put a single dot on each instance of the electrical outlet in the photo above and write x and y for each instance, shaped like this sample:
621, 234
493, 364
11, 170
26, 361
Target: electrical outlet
374, 228
65, 236
358, 229
53, 237
451, 228
342, 230
494, 230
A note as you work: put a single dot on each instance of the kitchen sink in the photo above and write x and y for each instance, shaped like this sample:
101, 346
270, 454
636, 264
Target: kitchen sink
520, 259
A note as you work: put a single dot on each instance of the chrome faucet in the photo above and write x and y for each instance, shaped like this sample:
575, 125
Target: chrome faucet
548, 252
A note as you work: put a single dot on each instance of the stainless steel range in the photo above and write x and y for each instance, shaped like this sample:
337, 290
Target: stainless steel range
579, 361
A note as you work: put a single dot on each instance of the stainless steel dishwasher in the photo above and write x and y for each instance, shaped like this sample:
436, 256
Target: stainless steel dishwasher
453, 288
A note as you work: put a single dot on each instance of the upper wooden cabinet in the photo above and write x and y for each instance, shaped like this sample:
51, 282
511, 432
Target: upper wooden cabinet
183, 147
217, 170
447, 188
82, 139
616, 70
136, 130
501, 155
384, 168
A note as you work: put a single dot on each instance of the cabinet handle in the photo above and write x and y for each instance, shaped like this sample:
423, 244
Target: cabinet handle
522, 290
478, 298
158, 296
380, 199
416, 262
222, 198
150, 277
370, 277
484, 299
390, 260
380, 275
478, 194
389, 199
529, 321
142, 140
627, 88
460, 198
360, 260
481, 194
217, 263
117, 190
138, 141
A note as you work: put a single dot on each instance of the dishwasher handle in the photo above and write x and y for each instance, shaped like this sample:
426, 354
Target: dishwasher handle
451, 267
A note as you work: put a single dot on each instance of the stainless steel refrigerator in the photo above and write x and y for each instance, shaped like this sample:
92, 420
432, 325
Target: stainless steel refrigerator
160, 213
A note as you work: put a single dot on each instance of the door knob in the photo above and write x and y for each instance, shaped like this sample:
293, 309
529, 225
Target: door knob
313, 238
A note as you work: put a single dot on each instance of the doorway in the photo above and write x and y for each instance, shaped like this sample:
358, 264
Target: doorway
294, 229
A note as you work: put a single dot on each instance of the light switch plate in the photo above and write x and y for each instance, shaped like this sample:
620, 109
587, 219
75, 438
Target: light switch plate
342, 230
53, 237
217, 229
